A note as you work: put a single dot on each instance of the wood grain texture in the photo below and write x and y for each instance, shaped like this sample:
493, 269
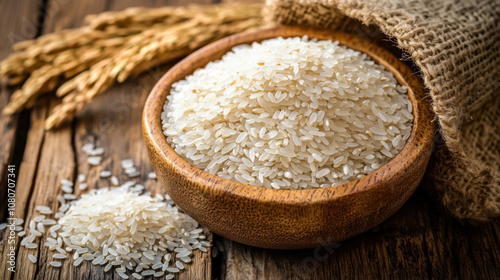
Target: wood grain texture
56, 163
290, 219
22, 24
12, 30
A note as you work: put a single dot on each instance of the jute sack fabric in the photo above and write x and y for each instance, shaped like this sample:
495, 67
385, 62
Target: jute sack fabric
456, 46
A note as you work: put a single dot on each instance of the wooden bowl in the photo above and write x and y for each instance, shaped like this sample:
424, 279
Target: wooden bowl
289, 219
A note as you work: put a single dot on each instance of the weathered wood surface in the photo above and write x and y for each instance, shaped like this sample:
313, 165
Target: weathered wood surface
420, 241
20, 24
12, 30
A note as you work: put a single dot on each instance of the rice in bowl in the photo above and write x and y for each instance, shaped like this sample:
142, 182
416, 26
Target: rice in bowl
289, 114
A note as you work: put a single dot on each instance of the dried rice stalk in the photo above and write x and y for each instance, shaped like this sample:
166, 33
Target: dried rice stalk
166, 45
35, 53
46, 78
111, 48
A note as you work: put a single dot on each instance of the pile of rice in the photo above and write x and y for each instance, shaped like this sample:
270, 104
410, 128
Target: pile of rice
121, 228
289, 114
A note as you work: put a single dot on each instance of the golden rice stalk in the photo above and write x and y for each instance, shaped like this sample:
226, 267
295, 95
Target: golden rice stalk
138, 16
44, 79
173, 42
33, 54
112, 47
63, 58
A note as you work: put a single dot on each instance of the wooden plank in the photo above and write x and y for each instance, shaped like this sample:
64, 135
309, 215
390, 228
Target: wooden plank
56, 163
420, 241
56, 159
8, 129
19, 24
26, 178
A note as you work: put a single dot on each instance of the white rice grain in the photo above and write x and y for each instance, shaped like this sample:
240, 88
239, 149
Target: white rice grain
94, 160
81, 178
127, 163
55, 264
105, 173
59, 256
78, 261
115, 181
83, 186
32, 258
66, 182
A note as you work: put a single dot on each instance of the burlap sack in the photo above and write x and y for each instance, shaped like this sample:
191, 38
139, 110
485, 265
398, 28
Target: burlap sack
456, 46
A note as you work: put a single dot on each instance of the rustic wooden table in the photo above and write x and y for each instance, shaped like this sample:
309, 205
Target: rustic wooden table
420, 241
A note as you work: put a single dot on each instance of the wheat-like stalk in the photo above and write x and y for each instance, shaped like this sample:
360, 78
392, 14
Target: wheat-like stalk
113, 47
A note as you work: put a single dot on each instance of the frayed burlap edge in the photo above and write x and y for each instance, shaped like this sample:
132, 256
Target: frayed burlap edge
470, 186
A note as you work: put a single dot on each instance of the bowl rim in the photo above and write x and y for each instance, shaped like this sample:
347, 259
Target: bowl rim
153, 132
